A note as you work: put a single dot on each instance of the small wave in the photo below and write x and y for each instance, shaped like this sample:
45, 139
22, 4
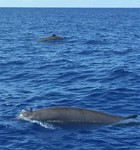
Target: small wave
119, 72
13, 62
96, 42
122, 51
128, 122
86, 52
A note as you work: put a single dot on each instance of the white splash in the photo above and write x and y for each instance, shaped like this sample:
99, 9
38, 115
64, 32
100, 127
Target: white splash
42, 124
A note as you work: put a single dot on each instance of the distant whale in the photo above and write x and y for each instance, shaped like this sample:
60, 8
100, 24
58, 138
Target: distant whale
71, 115
50, 38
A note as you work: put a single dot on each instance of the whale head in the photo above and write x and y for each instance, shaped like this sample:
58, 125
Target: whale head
25, 115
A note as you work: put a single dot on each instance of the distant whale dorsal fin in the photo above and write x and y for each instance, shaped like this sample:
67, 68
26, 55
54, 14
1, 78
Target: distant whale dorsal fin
131, 117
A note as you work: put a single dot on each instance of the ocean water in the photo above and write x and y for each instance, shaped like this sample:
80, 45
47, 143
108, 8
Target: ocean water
96, 66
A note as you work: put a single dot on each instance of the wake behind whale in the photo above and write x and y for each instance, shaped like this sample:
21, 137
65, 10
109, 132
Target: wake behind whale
71, 115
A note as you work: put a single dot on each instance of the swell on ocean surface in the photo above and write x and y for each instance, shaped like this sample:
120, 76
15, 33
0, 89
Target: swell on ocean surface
96, 66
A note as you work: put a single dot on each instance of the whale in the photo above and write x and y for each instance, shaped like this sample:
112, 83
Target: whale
67, 114
50, 38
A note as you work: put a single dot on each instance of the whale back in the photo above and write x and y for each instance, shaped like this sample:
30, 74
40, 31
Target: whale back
70, 114
51, 38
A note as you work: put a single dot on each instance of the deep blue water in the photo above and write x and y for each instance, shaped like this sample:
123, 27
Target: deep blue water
96, 66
